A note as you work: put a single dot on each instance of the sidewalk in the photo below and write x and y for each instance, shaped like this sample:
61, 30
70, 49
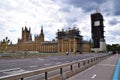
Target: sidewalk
101, 71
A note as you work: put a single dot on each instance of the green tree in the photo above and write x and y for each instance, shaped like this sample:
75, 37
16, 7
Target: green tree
109, 47
113, 47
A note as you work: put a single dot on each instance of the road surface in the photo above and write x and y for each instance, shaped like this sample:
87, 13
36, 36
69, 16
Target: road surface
101, 71
14, 66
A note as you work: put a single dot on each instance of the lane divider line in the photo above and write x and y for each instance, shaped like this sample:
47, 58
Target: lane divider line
9, 69
93, 76
33, 66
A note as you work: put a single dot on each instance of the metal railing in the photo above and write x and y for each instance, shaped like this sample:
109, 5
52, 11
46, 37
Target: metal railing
21, 76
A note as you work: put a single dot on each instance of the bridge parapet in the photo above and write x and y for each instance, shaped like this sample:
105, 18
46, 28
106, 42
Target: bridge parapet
75, 67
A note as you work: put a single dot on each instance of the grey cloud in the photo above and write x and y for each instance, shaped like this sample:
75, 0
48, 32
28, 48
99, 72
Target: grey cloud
86, 5
70, 23
114, 22
71, 20
89, 5
12, 30
65, 9
71, 13
116, 6
35, 2
114, 33
110, 40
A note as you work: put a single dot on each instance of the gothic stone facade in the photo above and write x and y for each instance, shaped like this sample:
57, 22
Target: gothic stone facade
67, 41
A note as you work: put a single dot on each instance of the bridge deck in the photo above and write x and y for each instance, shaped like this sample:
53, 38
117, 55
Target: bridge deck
101, 71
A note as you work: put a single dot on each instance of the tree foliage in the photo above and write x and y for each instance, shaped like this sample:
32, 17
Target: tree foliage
113, 47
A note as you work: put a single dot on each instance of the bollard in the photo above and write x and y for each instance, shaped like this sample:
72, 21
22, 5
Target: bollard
83, 62
94, 59
91, 60
46, 78
71, 67
61, 71
78, 65
88, 61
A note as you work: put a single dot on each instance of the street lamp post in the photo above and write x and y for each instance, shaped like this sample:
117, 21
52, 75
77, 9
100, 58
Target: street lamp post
6, 43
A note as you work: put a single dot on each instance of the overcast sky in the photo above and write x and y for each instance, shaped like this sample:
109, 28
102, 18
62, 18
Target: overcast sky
57, 14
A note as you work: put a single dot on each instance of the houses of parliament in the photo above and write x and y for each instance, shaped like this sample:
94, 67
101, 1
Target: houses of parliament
66, 41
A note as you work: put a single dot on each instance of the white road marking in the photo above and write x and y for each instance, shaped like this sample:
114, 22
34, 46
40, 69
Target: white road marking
64, 58
58, 63
107, 65
67, 61
40, 59
93, 76
47, 64
13, 71
54, 58
33, 66
87, 70
9, 69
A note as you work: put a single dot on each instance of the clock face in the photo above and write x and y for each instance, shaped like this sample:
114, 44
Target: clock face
96, 23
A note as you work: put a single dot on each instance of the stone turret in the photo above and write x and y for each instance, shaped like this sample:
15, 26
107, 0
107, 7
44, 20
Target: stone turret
42, 35
40, 38
26, 36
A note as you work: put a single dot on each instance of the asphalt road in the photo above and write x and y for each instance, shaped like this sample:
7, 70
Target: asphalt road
14, 66
101, 71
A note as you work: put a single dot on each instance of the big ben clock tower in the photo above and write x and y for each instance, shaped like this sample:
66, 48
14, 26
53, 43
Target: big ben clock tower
97, 32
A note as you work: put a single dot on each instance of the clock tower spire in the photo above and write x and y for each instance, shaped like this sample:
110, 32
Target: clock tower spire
97, 9
97, 32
